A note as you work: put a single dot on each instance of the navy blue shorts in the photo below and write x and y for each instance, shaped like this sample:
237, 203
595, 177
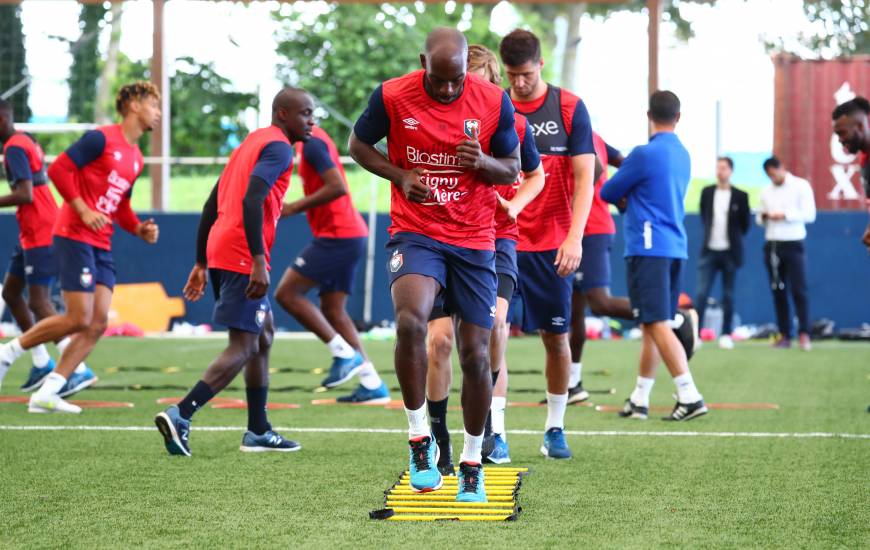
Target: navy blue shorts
467, 277
83, 266
506, 258
546, 296
36, 266
594, 270
653, 287
332, 263
231, 307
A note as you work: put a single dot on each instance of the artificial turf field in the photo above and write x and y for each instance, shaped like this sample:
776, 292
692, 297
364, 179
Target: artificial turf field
745, 487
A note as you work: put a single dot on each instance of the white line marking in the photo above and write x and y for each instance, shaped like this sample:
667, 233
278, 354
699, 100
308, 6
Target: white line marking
602, 433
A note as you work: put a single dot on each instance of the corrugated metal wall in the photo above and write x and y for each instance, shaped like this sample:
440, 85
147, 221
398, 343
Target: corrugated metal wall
806, 93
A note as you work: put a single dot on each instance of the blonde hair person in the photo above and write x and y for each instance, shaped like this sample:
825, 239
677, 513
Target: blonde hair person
482, 60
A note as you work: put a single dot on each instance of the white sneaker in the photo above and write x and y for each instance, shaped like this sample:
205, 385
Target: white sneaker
50, 404
725, 342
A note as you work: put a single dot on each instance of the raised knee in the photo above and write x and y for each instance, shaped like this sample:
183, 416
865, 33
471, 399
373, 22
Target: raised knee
266, 339
554, 343
10, 296
410, 325
440, 345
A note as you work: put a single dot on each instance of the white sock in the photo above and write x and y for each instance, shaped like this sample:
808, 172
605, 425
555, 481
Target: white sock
497, 411
418, 424
4, 368
81, 368
471, 451
686, 390
62, 345
640, 395
52, 385
368, 376
40, 356
340, 348
576, 374
556, 404
11, 351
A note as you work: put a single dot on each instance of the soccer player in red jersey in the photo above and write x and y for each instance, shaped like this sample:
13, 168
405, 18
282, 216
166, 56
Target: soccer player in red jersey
330, 263
450, 137
235, 237
512, 199
551, 227
95, 177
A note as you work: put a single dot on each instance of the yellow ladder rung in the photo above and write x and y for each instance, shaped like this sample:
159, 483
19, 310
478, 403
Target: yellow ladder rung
460, 517
448, 504
429, 497
472, 511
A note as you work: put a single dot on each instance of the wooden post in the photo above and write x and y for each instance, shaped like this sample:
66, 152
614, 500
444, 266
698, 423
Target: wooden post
160, 137
654, 9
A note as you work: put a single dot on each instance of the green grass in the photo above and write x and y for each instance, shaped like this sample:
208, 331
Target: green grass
88, 489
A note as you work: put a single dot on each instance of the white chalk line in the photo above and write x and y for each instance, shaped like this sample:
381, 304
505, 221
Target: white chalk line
580, 433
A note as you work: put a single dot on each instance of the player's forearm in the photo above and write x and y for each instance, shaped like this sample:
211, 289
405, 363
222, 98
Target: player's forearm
372, 160
532, 185
206, 221
21, 194
500, 171
127, 219
583, 193
252, 215
324, 195
64, 174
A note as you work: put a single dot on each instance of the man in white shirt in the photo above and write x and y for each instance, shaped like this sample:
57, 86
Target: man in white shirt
786, 207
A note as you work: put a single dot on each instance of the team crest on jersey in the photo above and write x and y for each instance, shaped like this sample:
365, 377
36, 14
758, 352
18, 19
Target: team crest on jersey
396, 261
472, 127
261, 316
86, 278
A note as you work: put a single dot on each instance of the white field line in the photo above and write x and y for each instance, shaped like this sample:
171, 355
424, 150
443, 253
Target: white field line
603, 433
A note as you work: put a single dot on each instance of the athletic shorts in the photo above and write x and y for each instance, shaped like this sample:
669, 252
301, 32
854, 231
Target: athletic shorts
467, 277
332, 263
231, 307
653, 287
546, 296
82, 266
594, 270
36, 266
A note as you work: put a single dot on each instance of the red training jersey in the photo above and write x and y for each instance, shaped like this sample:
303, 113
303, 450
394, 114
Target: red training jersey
600, 222
506, 228
36, 219
227, 245
337, 219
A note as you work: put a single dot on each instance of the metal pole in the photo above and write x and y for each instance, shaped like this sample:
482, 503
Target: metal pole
654, 10
370, 254
718, 128
160, 137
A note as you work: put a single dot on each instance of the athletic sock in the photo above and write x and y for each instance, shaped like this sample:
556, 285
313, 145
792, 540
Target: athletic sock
4, 368
576, 374
52, 386
471, 450
556, 404
81, 368
62, 345
257, 421
438, 418
11, 351
640, 395
368, 376
417, 425
340, 348
196, 399
686, 390
496, 410
40, 356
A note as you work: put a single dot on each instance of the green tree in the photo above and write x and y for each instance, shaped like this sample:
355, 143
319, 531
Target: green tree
846, 25
13, 67
85, 68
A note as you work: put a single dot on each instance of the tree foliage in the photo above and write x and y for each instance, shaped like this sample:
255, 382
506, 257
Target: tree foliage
846, 25
85, 68
13, 67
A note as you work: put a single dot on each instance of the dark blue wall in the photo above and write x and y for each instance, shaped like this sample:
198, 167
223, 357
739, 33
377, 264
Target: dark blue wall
839, 267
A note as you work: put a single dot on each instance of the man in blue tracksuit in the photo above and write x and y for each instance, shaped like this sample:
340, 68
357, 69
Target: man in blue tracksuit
650, 187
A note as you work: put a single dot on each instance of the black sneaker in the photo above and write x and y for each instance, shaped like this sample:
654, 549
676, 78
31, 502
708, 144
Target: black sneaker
630, 410
445, 457
577, 394
687, 411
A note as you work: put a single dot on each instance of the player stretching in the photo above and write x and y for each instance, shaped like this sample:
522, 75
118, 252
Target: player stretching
512, 199
450, 136
32, 266
95, 177
551, 227
653, 180
235, 237
330, 263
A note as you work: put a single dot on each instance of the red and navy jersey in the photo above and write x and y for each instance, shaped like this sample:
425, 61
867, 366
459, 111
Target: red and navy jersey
337, 219
506, 228
24, 160
600, 222
100, 168
423, 133
561, 126
268, 155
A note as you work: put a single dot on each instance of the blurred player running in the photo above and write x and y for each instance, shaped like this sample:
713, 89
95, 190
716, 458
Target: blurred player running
450, 136
330, 263
512, 199
234, 240
95, 177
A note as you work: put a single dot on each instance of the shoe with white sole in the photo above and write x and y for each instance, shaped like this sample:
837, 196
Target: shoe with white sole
725, 342
50, 404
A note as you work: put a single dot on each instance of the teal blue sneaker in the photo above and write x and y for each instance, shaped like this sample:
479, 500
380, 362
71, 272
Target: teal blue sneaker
470, 483
555, 445
175, 431
363, 396
268, 442
37, 376
78, 381
423, 468
499, 452
343, 370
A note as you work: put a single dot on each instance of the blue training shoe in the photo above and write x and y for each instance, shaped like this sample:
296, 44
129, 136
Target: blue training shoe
268, 442
423, 469
343, 370
175, 431
555, 445
37, 376
470, 483
78, 381
500, 452
364, 396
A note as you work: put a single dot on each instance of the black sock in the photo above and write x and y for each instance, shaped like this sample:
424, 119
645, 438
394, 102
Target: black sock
257, 421
196, 399
487, 428
438, 419
495, 377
